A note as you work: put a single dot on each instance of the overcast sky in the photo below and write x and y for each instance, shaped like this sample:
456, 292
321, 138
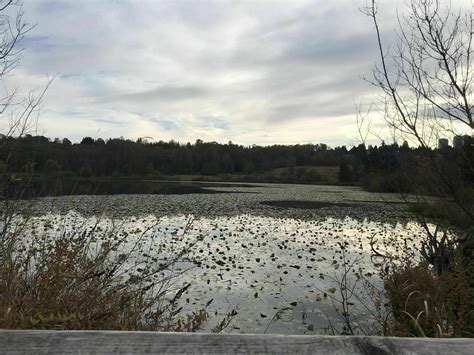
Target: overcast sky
260, 72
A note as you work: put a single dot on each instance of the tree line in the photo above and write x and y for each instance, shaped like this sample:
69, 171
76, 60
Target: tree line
118, 156
380, 168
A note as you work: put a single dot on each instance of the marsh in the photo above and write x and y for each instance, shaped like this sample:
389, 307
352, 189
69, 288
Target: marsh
271, 252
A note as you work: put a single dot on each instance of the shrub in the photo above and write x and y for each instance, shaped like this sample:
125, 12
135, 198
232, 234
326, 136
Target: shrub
81, 280
51, 167
425, 304
386, 182
345, 172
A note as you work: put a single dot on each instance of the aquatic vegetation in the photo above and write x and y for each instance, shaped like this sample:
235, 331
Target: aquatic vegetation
235, 200
268, 268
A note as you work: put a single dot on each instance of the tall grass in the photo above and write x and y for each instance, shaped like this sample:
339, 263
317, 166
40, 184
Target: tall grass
426, 304
89, 279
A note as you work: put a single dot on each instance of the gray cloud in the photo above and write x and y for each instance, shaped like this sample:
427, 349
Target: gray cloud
167, 125
165, 93
50, 7
247, 71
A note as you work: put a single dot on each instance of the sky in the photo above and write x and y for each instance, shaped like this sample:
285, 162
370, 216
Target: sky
252, 72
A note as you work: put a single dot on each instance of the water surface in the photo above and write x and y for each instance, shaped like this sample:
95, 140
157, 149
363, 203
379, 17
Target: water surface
273, 253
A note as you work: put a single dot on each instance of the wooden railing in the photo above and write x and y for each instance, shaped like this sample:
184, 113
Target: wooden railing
113, 342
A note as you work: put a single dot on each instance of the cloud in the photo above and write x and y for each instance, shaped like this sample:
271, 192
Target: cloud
164, 93
167, 125
49, 7
247, 71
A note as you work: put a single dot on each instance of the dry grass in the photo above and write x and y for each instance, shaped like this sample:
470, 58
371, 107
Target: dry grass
74, 282
425, 304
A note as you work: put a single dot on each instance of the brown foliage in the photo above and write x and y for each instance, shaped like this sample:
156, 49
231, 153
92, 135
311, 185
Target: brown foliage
63, 285
425, 304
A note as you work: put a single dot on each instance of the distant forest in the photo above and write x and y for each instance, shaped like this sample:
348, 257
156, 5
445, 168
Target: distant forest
378, 168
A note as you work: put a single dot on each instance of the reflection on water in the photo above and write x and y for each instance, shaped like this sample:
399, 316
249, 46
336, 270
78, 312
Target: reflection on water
275, 263
278, 273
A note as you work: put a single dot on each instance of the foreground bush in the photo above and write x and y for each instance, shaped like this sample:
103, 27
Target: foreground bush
87, 280
425, 304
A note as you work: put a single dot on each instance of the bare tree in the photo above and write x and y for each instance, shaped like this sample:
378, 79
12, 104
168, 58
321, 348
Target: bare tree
426, 81
427, 76
18, 112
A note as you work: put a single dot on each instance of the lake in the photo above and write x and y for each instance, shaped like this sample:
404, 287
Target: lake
272, 252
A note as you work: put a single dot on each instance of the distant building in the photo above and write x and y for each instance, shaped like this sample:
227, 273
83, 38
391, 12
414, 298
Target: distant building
461, 141
443, 143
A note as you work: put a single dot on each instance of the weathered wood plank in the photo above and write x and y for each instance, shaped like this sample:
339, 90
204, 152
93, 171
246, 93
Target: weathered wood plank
108, 342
